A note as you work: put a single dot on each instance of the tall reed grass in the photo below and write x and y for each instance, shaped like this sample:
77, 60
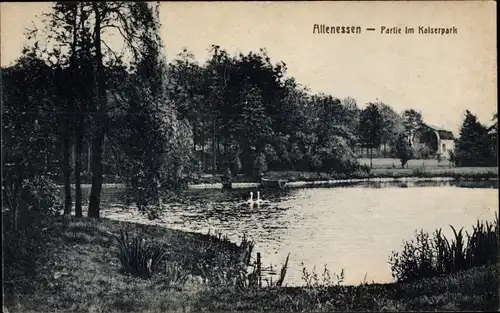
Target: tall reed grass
436, 255
137, 257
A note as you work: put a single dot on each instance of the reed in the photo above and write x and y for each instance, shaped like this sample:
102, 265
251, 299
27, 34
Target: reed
431, 256
174, 275
137, 257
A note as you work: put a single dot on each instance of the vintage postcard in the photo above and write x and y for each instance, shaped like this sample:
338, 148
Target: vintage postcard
249, 156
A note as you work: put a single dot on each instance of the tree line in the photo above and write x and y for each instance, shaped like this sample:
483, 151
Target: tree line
154, 123
246, 112
71, 88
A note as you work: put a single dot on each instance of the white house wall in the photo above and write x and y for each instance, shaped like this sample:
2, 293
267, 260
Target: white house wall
447, 144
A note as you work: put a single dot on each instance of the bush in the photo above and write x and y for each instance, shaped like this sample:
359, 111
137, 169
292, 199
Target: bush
365, 169
259, 165
175, 275
41, 194
137, 257
337, 156
416, 259
219, 267
37, 197
403, 150
236, 165
430, 256
21, 254
451, 156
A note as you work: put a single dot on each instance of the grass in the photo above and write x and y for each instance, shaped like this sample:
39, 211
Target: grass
387, 163
472, 173
75, 268
382, 168
476, 289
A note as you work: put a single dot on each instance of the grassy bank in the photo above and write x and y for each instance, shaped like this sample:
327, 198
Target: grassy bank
378, 163
74, 268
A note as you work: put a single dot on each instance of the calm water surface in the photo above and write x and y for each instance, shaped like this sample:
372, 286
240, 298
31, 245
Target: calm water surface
354, 228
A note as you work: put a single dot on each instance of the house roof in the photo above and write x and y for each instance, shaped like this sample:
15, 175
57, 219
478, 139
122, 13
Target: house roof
443, 133
446, 134
434, 127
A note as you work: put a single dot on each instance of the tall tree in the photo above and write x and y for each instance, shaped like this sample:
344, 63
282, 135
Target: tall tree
30, 104
412, 120
392, 125
100, 117
153, 143
472, 148
370, 128
403, 149
61, 26
131, 20
84, 93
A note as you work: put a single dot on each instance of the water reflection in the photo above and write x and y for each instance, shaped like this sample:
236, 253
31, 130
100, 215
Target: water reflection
352, 226
413, 184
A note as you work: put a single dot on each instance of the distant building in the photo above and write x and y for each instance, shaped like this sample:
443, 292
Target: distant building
439, 141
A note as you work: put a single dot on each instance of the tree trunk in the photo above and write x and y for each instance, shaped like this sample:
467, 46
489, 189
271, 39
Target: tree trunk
218, 153
371, 157
66, 167
226, 157
78, 166
89, 154
202, 154
97, 171
79, 129
194, 137
101, 122
214, 152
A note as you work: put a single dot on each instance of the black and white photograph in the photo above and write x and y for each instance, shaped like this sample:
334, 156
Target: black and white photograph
265, 156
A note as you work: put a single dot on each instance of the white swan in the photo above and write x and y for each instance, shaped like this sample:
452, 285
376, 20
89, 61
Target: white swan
251, 201
259, 200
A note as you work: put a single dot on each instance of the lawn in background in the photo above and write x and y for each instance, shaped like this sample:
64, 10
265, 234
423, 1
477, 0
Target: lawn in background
412, 164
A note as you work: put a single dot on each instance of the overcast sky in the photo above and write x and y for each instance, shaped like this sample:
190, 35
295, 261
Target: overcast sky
439, 75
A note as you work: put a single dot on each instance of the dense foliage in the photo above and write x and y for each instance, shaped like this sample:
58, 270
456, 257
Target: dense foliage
76, 110
477, 144
248, 116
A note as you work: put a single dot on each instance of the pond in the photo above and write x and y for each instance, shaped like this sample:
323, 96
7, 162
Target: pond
353, 227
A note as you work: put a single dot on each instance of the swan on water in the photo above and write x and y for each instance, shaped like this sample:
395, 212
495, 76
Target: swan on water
250, 201
259, 200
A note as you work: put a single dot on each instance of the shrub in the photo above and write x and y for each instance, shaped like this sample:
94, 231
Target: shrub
451, 156
415, 261
403, 150
174, 275
21, 254
315, 163
36, 194
219, 267
328, 292
430, 256
137, 257
365, 169
41, 194
260, 165
418, 172
236, 165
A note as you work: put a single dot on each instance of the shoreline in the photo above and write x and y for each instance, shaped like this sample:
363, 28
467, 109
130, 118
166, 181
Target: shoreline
307, 179
333, 182
82, 247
